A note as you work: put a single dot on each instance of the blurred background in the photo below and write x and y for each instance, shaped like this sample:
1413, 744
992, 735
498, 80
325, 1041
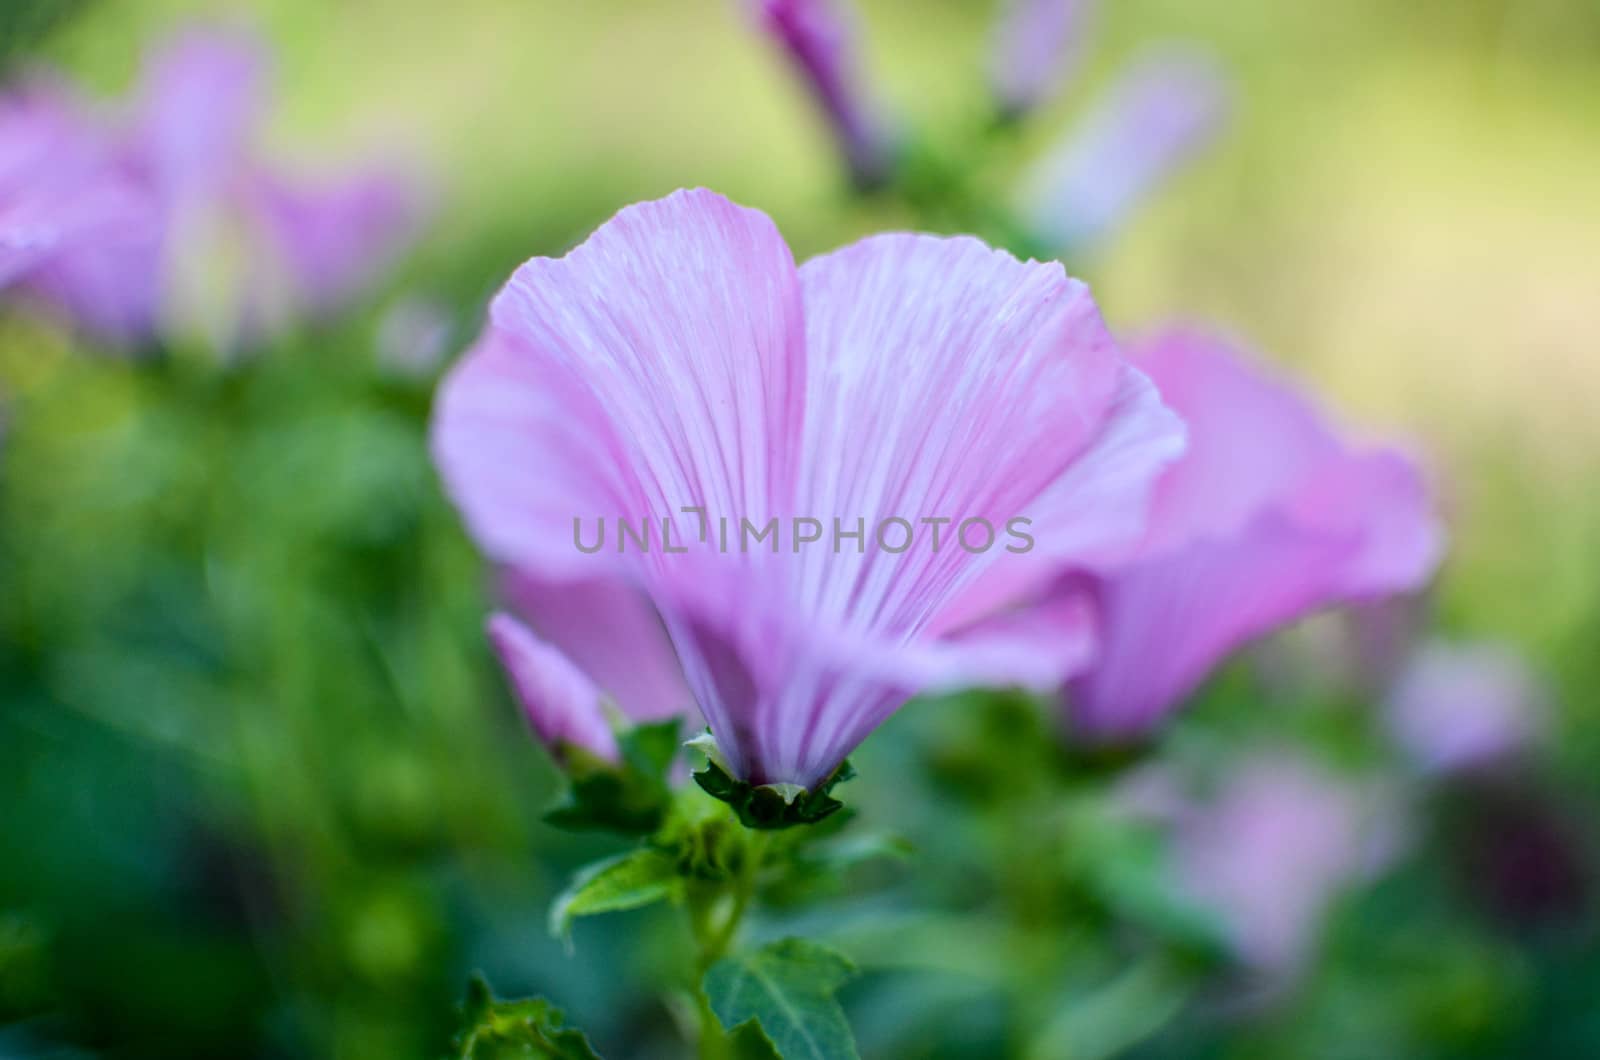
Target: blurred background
262, 792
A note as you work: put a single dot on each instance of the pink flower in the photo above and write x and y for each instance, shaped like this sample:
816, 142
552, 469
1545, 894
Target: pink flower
1037, 42
1163, 109
1270, 850
59, 187
230, 249
820, 42
678, 360
1456, 706
1269, 516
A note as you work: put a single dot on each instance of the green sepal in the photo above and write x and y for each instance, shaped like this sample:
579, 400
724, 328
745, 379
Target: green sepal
531, 1027
770, 806
629, 799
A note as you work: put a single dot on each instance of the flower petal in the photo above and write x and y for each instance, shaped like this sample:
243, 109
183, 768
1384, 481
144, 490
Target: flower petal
1037, 45
950, 381
1165, 623
1165, 107
66, 206
1456, 706
1256, 443
563, 704
1269, 516
334, 239
947, 381
659, 365
202, 95
1252, 440
610, 630
1271, 850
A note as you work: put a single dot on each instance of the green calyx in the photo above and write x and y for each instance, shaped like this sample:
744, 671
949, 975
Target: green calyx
771, 806
630, 797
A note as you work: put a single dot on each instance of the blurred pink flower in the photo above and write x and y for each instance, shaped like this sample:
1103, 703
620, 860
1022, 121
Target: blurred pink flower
231, 250
678, 358
59, 187
1456, 706
1037, 44
1163, 108
820, 40
1269, 516
1271, 849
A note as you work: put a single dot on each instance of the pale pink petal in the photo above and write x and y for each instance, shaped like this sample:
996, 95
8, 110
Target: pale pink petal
77, 231
1273, 848
1037, 44
1456, 706
1164, 107
611, 631
1268, 517
1383, 497
335, 238
1034, 644
1166, 622
202, 96
657, 366
948, 381
563, 705
952, 380
1253, 441
1096, 513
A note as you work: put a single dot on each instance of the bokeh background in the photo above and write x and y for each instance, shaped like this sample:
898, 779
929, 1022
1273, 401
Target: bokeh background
262, 792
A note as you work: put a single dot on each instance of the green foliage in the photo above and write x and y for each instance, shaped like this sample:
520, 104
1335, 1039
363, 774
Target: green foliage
704, 835
787, 988
1126, 867
23, 23
824, 865
1104, 1022
627, 881
492, 1029
630, 799
769, 806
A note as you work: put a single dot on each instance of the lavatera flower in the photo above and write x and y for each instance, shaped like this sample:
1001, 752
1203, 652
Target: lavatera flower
1269, 516
167, 223
835, 486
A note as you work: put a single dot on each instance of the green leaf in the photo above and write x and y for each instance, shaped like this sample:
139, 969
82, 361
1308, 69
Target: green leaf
770, 806
630, 799
787, 987
627, 881
532, 1027
1110, 1020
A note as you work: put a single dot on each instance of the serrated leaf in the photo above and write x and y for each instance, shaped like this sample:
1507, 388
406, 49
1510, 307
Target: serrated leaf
627, 881
787, 988
530, 1027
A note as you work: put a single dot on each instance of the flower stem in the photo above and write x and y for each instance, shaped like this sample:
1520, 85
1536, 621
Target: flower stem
713, 935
